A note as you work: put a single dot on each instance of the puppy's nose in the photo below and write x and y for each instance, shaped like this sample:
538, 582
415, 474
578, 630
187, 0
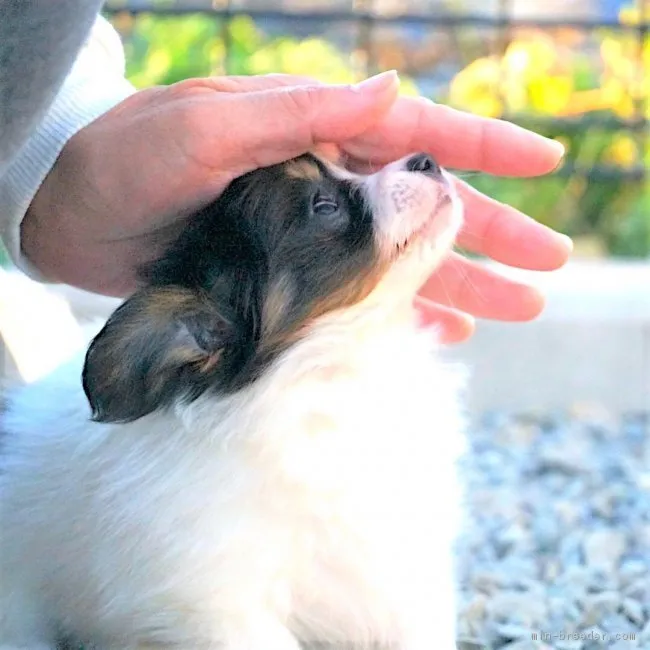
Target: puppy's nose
424, 164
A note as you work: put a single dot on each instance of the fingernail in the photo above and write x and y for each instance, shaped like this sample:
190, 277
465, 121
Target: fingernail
558, 146
378, 82
568, 242
561, 152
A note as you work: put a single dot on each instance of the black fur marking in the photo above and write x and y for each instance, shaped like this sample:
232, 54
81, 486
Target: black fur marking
267, 225
156, 347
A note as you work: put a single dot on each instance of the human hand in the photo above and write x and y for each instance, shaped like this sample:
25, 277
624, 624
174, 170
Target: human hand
463, 289
121, 188
119, 191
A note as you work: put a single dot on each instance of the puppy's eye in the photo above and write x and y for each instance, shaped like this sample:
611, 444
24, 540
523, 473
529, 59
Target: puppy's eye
324, 206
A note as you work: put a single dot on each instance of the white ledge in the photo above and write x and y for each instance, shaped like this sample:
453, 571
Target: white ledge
602, 290
591, 344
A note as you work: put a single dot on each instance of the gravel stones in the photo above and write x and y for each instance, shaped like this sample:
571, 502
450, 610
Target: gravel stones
557, 550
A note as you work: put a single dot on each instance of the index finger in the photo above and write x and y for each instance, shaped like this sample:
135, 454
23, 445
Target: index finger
457, 139
251, 83
507, 235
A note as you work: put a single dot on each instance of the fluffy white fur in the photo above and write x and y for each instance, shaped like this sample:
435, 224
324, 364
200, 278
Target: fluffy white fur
320, 503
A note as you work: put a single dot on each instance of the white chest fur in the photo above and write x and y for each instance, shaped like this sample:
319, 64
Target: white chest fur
322, 503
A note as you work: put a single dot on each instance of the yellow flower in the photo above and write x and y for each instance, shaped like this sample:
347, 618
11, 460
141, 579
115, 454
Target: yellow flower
531, 58
630, 15
552, 94
617, 97
623, 151
476, 87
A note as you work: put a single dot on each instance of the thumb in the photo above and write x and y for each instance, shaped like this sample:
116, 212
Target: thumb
267, 127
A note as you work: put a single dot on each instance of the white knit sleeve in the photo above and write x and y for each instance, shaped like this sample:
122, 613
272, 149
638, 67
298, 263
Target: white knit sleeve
95, 84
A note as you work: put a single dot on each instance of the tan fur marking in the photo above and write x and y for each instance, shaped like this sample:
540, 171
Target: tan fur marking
276, 304
354, 291
162, 304
303, 169
153, 311
160, 307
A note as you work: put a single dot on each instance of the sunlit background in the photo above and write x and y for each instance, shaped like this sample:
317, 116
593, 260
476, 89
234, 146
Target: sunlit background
559, 462
575, 70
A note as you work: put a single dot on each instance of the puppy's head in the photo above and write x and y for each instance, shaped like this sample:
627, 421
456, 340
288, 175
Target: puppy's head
281, 248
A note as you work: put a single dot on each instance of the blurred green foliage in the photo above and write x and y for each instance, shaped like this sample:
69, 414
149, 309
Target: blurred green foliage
164, 50
559, 76
537, 75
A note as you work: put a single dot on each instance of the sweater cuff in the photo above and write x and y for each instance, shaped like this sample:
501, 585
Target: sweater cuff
83, 98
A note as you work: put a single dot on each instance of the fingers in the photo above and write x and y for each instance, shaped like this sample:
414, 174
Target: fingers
266, 127
454, 326
509, 236
245, 84
470, 287
457, 139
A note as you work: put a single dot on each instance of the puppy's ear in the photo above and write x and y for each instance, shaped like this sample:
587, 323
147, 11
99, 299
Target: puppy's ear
160, 345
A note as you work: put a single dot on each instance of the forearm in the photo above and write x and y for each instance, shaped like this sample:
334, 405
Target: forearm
95, 84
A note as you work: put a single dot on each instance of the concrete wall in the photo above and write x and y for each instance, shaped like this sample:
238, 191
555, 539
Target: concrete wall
592, 344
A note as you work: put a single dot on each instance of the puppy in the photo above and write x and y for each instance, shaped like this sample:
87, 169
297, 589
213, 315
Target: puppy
262, 454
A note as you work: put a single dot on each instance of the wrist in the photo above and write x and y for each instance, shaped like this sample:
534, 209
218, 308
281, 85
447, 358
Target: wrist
66, 234
43, 230
95, 84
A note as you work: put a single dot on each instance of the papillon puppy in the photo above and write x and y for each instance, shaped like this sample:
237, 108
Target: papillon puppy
258, 451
